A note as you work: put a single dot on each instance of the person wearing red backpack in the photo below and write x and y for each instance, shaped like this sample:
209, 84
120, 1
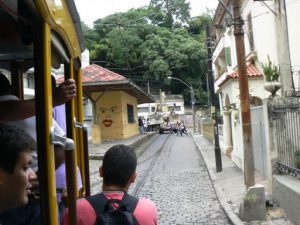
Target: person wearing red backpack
113, 205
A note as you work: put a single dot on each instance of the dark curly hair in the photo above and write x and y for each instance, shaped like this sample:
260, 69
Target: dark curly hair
119, 164
13, 141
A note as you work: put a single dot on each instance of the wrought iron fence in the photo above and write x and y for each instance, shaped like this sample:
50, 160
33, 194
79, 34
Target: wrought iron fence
285, 117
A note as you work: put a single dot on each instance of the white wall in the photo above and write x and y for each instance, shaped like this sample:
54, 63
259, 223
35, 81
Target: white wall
293, 18
231, 87
237, 155
264, 31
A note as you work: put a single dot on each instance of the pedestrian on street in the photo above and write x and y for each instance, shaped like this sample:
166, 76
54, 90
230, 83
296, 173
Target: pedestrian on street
119, 172
148, 125
145, 126
178, 128
183, 129
171, 128
141, 125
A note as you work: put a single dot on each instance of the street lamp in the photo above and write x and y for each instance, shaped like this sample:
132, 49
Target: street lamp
192, 98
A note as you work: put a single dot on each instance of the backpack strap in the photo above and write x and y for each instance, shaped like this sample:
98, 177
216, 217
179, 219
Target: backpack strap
129, 202
98, 202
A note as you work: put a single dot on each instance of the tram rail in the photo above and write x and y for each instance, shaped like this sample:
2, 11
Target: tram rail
142, 175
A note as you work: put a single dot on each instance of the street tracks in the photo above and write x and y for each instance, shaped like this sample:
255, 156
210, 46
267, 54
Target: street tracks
147, 161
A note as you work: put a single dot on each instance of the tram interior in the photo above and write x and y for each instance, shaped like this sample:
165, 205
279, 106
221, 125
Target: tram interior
15, 44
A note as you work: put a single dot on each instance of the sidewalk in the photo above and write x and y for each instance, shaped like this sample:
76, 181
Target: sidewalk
229, 185
96, 151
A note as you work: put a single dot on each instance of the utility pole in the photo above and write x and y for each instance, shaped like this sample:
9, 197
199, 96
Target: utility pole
193, 107
148, 87
283, 48
244, 95
213, 101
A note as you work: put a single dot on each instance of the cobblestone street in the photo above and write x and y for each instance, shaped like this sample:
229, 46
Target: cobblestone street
180, 185
178, 182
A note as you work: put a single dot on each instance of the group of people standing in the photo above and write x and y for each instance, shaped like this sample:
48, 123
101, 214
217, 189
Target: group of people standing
144, 125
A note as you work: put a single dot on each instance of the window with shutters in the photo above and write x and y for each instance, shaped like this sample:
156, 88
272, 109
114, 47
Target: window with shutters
228, 56
250, 31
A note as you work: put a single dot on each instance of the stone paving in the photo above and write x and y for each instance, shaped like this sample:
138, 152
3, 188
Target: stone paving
231, 187
138, 142
178, 183
96, 181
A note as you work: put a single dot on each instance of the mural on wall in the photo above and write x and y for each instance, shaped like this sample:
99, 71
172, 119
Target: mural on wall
107, 115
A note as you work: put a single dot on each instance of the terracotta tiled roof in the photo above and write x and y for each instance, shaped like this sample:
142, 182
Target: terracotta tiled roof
95, 73
252, 72
98, 79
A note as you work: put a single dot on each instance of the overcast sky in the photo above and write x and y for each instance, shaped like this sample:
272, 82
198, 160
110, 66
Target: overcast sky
91, 10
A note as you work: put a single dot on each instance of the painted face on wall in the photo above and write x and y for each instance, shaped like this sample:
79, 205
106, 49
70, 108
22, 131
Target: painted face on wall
107, 115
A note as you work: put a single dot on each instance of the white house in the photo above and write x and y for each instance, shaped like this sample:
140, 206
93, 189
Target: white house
261, 39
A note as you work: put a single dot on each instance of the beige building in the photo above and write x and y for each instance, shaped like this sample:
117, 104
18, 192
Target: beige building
114, 103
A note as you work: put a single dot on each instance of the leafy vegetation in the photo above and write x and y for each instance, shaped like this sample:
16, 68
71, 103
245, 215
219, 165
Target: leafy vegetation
270, 70
151, 43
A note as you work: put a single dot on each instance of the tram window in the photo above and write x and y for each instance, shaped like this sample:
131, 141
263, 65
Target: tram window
28, 38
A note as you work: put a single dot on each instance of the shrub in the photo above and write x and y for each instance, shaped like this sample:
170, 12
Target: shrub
271, 71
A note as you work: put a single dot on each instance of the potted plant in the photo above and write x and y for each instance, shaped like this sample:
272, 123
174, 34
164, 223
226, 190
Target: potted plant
271, 73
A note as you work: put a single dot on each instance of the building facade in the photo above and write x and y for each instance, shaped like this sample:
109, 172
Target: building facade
113, 100
263, 38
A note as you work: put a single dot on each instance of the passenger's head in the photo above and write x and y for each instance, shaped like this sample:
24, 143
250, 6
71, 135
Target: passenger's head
4, 85
119, 166
16, 174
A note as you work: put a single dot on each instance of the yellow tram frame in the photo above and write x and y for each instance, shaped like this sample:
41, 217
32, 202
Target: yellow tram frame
56, 39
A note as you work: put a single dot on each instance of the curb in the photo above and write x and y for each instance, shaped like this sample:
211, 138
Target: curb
233, 218
144, 139
133, 145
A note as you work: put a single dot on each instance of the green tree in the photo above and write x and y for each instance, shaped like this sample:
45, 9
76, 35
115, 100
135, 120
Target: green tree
197, 26
90, 36
138, 45
174, 12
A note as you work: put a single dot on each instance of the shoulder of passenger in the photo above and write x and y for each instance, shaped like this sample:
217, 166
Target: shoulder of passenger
83, 203
146, 202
